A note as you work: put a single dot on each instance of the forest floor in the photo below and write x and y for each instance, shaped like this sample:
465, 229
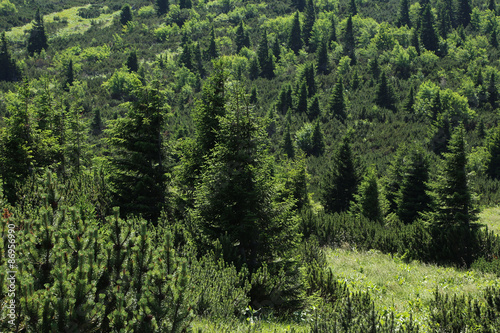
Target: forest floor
491, 217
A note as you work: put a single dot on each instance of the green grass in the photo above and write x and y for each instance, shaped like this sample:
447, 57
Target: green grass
491, 217
76, 24
403, 287
256, 325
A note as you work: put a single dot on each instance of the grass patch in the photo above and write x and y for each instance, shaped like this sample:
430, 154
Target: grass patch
250, 325
403, 287
491, 217
75, 24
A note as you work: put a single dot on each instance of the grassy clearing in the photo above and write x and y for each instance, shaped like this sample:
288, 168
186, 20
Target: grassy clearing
491, 217
206, 326
403, 287
75, 25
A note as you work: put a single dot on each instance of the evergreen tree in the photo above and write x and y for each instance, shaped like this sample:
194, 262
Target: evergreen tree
288, 144
353, 9
384, 96
285, 100
404, 14
125, 14
302, 98
394, 179
410, 102
375, 68
494, 38
463, 13
428, 34
241, 40
212, 47
309, 77
414, 40
493, 145
492, 6
310, 18
96, 124
186, 57
337, 106
444, 23
277, 49
314, 110
349, 43
131, 63
8, 68
253, 69
299, 4
318, 142
37, 39
69, 76
367, 202
442, 135
414, 193
185, 4
436, 106
333, 30
253, 95
342, 182
162, 6
295, 38
265, 58
322, 59
138, 162
492, 91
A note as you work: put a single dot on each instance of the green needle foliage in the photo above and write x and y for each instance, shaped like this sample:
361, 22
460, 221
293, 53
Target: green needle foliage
37, 40
8, 67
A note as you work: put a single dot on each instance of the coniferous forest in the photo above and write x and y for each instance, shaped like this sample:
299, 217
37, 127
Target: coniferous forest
204, 166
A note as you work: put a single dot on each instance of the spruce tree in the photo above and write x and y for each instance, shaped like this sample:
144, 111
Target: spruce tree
299, 4
310, 18
318, 142
241, 40
265, 59
187, 4
186, 57
277, 49
353, 9
384, 96
37, 39
138, 157
436, 106
414, 195
295, 38
494, 38
285, 100
69, 76
131, 63
333, 30
493, 145
492, 91
314, 110
322, 59
404, 14
96, 124
302, 98
342, 182
162, 6
288, 147
428, 34
367, 203
125, 14
337, 105
492, 6
393, 180
349, 42
414, 40
8, 68
410, 102
212, 52
253, 69
463, 13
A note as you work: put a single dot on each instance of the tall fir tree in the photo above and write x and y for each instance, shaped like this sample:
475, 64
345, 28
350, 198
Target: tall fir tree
186, 4
410, 102
428, 34
493, 145
404, 14
265, 58
494, 37
493, 91
69, 76
492, 6
309, 19
337, 105
299, 4
162, 6
384, 96
349, 42
37, 40
464, 11
242, 39
333, 30
8, 67
212, 52
310, 78
277, 49
138, 157
285, 100
314, 110
353, 9
414, 40
367, 202
342, 182
288, 147
125, 14
322, 59
318, 141
295, 37
302, 98
394, 178
132, 63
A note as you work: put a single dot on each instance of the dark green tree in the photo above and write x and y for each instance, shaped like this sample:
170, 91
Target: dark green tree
394, 178
367, 203
318, 141
445, 17
384, 96
253, 69
333, 30
492, 91
37, 39
138, 158
265, 58
125, 14
314, 110
242, 39
410, 102
322, 59
277, 49
374, 68
162, 6
295, 38
492, 6
185, 4
493, 144
288, 147
69, 76
414, 40
494, 38
285, 100
310, 18
186, 57
310, 77
349, 42
342, 182
463, 13
337, 107
428, 34
302, 98
436, 106
131, 63
96, 124
299, 4
212, 52
414, 195
353, 9
404, 14
8, 68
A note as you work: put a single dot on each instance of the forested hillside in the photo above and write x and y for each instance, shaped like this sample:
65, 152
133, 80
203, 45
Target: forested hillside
192, 165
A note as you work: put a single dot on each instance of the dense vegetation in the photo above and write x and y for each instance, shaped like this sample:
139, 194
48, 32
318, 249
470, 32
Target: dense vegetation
168, 163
